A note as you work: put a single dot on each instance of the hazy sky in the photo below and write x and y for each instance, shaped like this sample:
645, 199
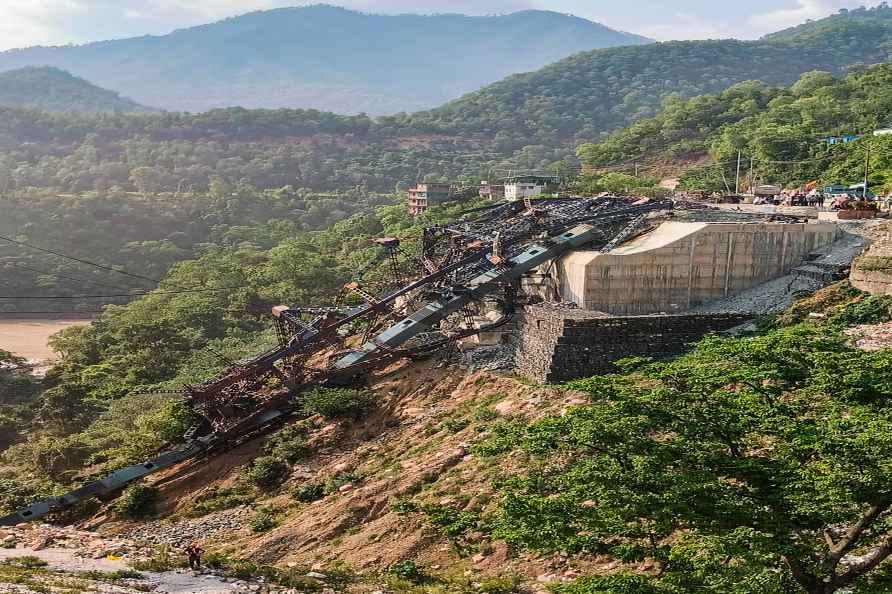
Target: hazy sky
41, 22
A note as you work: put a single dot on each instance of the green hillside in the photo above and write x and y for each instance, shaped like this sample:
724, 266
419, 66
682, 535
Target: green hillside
880, 16
587, 95
781, 130
529, 121
52, 89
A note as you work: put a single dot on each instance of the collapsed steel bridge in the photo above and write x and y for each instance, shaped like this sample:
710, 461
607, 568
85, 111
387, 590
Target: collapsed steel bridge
404, 303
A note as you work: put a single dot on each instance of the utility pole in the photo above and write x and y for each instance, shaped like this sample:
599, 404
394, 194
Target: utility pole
737, 179
866, 168
752, 175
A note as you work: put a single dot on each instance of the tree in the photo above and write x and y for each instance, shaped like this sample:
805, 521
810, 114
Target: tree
750, 465
146, 179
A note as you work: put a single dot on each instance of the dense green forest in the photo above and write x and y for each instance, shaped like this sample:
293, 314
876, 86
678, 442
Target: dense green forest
783, 132
147, 234
180, 152
751, 464
325, 57
52, 89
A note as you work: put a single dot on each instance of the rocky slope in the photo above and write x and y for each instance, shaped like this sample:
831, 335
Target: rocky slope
412, 452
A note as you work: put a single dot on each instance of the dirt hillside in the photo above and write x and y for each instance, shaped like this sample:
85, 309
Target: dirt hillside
412, 449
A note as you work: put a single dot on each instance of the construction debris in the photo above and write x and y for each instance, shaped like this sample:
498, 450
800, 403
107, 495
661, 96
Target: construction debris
403, 319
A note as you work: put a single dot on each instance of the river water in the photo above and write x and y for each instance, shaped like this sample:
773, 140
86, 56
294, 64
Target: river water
28, 337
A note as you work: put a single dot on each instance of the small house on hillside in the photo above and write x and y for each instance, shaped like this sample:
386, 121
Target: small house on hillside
425, 195
527, 186
490, 191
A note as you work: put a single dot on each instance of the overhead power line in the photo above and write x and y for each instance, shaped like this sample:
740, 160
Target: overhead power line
42, 313
120, 295
71, 278
80, 260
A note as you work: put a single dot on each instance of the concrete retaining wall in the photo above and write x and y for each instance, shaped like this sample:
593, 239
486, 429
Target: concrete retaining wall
557, 345
682, 265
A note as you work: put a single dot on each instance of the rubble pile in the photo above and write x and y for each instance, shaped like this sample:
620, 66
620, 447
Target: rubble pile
184, 532
88, 545
491, 358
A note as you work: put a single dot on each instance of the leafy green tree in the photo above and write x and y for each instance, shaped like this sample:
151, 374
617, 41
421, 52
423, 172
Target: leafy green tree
146, 179
751, 464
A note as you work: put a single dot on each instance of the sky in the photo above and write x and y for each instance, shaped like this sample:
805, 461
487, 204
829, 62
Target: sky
55, 22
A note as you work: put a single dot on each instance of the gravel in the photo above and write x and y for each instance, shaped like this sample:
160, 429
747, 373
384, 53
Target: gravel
169, 582
182, 533
490, 358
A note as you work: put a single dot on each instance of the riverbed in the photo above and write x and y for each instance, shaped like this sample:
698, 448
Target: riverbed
29, 337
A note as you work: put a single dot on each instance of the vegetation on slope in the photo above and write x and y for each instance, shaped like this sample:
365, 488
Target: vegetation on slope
781, 130
94, 411
529, 121
587, 95
750, 464
52, 89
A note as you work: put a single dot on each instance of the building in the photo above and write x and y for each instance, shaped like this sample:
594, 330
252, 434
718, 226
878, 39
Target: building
840, 139
490, 191
424, 195
527, 186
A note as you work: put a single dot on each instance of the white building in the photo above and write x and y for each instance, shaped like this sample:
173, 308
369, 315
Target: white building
527, 186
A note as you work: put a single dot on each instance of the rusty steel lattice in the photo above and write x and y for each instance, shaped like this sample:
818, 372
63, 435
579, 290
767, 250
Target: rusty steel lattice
408, 301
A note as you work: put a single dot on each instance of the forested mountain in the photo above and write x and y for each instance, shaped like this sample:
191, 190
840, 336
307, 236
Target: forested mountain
780, 132
52, 89
203, 174
529, 121
325, 57
878, 17
589, 94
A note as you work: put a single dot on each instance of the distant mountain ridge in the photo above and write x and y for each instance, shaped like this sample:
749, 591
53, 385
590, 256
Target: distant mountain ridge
52, 89
325, 57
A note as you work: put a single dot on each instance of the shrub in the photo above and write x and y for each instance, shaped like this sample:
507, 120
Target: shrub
220, 499
455, 425
500, 585
609, 584
290, 444
404, 506
485, 413
163, 560
451, 522
309, 492
264, 520
137, 501
338, 403
267, 472
341, 479
872, 310
408, 570
26, 562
